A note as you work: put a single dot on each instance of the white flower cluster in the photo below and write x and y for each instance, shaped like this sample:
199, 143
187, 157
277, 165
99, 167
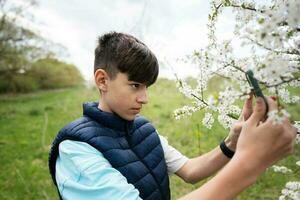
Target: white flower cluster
268, 34
297, 126
278, 116
297, 141
223, 105
184, 111
271, 24
273, 32
277, 68
184, 88
208, 120
226, 121
227, 97
281, 169
291, 191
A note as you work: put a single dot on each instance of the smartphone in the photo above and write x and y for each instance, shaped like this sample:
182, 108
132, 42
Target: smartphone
255, 87
257, 91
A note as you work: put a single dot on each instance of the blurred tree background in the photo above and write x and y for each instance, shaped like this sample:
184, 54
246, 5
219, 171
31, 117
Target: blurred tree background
28, 61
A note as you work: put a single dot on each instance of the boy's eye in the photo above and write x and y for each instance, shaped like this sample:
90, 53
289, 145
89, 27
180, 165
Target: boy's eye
135, 85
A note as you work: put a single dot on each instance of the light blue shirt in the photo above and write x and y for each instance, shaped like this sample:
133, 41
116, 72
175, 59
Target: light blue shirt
83, 173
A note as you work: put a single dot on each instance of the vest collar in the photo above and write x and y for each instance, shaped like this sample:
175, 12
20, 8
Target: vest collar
107, 119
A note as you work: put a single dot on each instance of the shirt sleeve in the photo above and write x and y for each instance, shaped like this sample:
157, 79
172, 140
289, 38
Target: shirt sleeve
174, 159
83, 173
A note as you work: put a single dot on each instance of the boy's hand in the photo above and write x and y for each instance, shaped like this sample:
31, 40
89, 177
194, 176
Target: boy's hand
263, 143
235, 130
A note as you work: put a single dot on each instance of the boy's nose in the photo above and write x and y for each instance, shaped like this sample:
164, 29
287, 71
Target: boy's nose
143, 97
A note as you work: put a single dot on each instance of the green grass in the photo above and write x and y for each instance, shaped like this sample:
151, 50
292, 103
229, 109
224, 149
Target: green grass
29, 122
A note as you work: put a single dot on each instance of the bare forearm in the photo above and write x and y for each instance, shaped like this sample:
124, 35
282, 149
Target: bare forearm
206, 165
227, 184
203, 166
261, 143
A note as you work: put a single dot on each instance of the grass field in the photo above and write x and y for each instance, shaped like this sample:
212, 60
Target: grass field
29, 122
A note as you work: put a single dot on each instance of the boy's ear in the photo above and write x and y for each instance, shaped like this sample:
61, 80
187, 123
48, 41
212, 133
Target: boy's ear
101, 79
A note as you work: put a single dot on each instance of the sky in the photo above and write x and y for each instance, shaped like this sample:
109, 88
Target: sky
172, 29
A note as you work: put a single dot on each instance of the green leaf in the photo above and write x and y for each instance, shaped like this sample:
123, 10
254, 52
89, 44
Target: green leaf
262, 66
290, 34
227, 3
261, 20
234, 116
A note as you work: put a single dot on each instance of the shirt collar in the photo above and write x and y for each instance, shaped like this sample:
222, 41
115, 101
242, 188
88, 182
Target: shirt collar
107, 119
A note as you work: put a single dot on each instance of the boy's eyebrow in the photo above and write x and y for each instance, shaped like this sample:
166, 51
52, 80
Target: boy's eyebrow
135, 82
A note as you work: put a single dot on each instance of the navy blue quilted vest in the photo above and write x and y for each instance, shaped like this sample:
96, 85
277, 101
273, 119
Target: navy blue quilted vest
131, 147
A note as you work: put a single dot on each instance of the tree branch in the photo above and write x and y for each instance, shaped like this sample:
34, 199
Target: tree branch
282, 82
291, 52
243, 6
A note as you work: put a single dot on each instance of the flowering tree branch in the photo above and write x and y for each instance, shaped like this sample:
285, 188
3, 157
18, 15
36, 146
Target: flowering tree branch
272, 33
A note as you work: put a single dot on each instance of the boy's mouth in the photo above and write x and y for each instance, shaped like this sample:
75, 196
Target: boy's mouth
136, 109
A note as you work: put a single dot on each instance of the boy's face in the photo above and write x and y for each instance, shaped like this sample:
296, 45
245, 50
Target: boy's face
123, 97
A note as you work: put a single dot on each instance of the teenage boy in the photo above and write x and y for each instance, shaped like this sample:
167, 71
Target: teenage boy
111, 153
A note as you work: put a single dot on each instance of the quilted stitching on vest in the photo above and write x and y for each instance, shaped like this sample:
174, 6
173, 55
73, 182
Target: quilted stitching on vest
133, 148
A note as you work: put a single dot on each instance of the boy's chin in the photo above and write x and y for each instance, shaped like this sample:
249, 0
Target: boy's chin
129, 117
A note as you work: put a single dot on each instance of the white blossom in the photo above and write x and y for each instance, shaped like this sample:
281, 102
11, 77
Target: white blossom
185, 110
278, 116
293, 11
281, 169
295, 99
291, 191
269, 33
297, 126
297, 141
208, 120
226, 121
184, 88
263, 29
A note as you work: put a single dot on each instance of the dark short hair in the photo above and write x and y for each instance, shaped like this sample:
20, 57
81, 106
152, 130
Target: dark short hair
120, 52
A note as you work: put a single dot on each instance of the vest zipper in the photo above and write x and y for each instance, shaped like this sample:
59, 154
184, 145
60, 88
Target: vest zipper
154, 177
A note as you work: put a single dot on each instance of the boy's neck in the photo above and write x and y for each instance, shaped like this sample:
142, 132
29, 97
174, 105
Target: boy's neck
102, 106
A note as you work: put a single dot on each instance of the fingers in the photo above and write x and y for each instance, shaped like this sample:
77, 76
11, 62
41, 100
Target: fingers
290, 126
248, 108
237, 127
258, 112
273, 108
272, 103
